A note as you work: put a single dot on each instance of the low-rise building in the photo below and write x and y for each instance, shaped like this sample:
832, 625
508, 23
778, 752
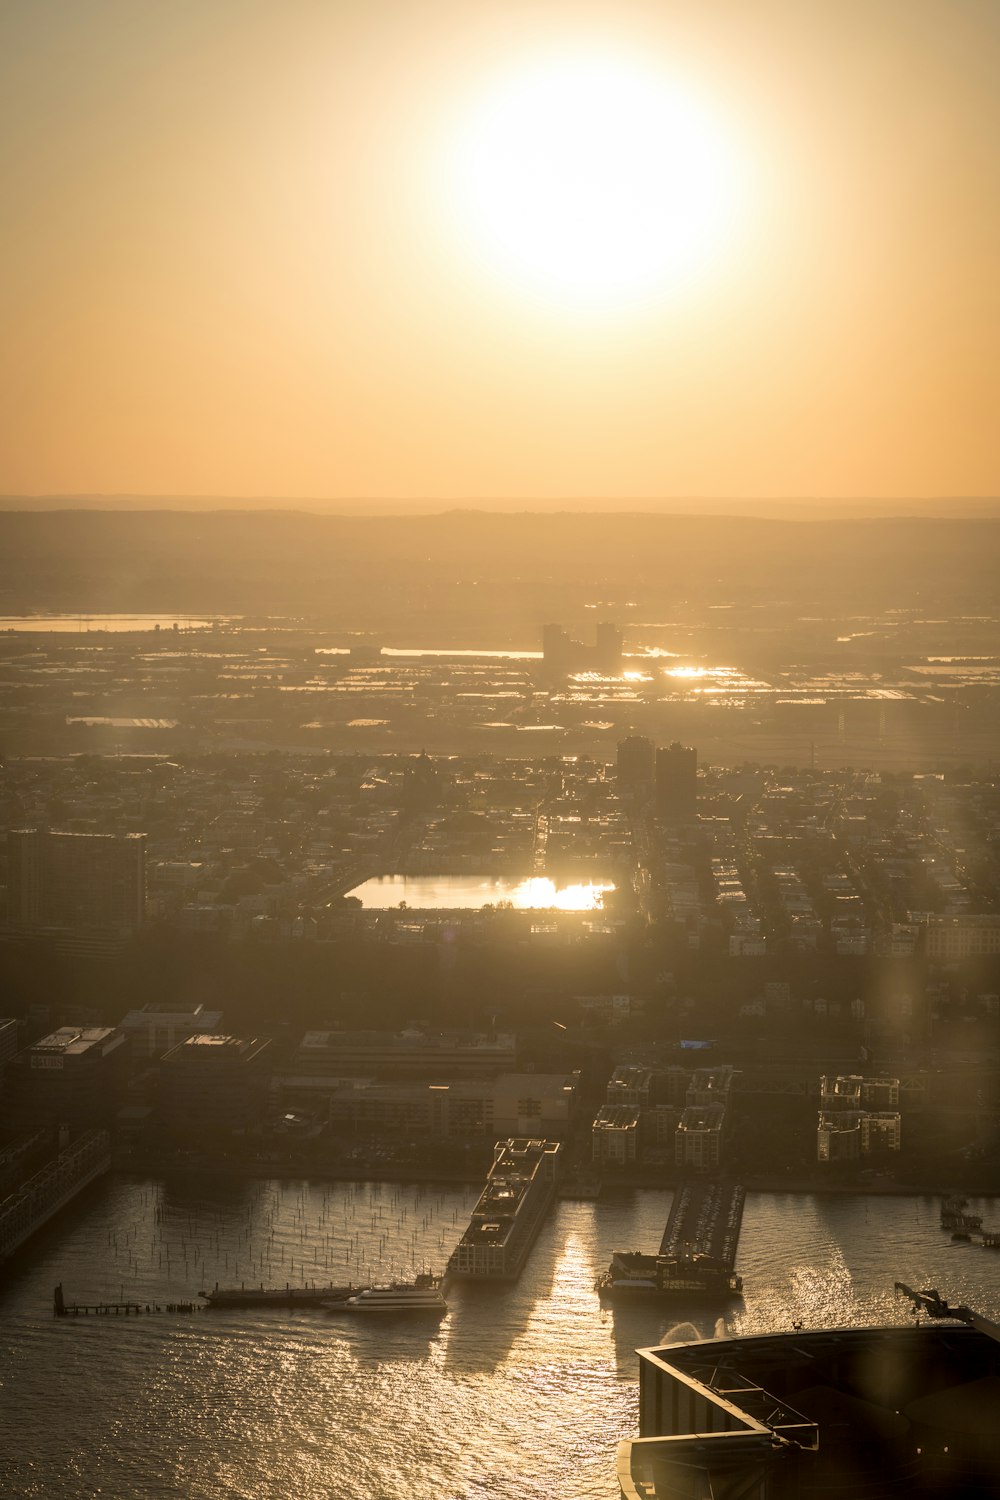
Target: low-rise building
460, 1109
151, 1032
439, 1055
212, 1086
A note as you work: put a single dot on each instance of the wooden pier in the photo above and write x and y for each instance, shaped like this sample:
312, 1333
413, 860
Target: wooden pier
63, 1309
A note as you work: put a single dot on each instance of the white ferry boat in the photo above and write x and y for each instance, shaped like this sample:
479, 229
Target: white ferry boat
421, 1296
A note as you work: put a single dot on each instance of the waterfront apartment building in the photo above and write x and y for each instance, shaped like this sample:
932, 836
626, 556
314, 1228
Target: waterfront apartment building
838, 1135
851, 1091
562, 654
698, 1139
847, 1135
711, 1085
76, 881
677, 1112
630, 1085
615, 1136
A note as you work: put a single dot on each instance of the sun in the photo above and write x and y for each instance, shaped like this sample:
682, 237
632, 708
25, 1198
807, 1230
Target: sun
594, 179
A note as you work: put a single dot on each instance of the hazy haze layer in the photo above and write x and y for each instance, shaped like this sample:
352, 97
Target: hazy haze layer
234, 262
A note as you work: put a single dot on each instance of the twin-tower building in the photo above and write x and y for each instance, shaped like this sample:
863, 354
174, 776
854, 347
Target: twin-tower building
669, 773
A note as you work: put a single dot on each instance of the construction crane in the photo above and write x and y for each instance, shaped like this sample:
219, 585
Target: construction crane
931, 1302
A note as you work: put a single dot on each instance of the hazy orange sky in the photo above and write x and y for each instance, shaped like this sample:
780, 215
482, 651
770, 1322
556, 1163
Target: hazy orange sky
291, 249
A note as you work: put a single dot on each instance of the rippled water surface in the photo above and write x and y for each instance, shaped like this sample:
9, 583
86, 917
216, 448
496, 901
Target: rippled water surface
522, 1391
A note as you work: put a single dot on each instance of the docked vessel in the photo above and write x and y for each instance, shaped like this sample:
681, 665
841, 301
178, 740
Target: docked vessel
632, 1274
511, 1209
423, 1296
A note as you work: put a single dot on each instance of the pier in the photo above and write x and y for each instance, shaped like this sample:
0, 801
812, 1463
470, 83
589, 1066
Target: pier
697, 1252
51, 1188
511, 1210
705, 1219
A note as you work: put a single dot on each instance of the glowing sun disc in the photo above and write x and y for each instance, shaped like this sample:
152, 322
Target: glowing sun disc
594, 178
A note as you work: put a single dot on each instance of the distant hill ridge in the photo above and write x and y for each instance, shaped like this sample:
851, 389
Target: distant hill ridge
534, 566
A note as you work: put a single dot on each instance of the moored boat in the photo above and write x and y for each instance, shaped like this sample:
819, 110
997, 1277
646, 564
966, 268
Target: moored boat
423, 1296
632, 1274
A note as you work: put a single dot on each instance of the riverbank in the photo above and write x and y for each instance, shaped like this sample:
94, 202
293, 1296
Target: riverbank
471, 1174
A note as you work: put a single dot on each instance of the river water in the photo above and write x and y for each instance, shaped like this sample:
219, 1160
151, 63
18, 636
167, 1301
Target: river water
521, 1392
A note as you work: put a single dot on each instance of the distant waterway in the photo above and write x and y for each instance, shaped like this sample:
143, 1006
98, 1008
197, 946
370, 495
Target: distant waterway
461, 892
80, 624
521, 1392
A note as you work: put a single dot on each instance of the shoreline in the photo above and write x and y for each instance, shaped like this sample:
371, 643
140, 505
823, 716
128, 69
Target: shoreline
158, 1166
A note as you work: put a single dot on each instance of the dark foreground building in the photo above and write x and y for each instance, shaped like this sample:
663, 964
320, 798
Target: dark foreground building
214, 1086
849, 1412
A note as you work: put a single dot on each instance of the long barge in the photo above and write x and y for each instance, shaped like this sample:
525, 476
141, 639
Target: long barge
510, 1211
281, 1296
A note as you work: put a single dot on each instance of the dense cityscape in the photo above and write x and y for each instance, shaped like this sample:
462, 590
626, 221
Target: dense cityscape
557, 956
793, 924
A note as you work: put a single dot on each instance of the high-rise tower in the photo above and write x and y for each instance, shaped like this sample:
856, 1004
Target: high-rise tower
677, 784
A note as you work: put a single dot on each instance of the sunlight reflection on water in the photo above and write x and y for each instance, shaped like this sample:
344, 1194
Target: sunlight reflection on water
522, 1391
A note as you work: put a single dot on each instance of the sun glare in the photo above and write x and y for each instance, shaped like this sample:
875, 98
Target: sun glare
595, 180
540, 893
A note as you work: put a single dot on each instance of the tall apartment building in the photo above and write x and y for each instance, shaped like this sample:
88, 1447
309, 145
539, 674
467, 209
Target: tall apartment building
636, 763
78, 881
677, 784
